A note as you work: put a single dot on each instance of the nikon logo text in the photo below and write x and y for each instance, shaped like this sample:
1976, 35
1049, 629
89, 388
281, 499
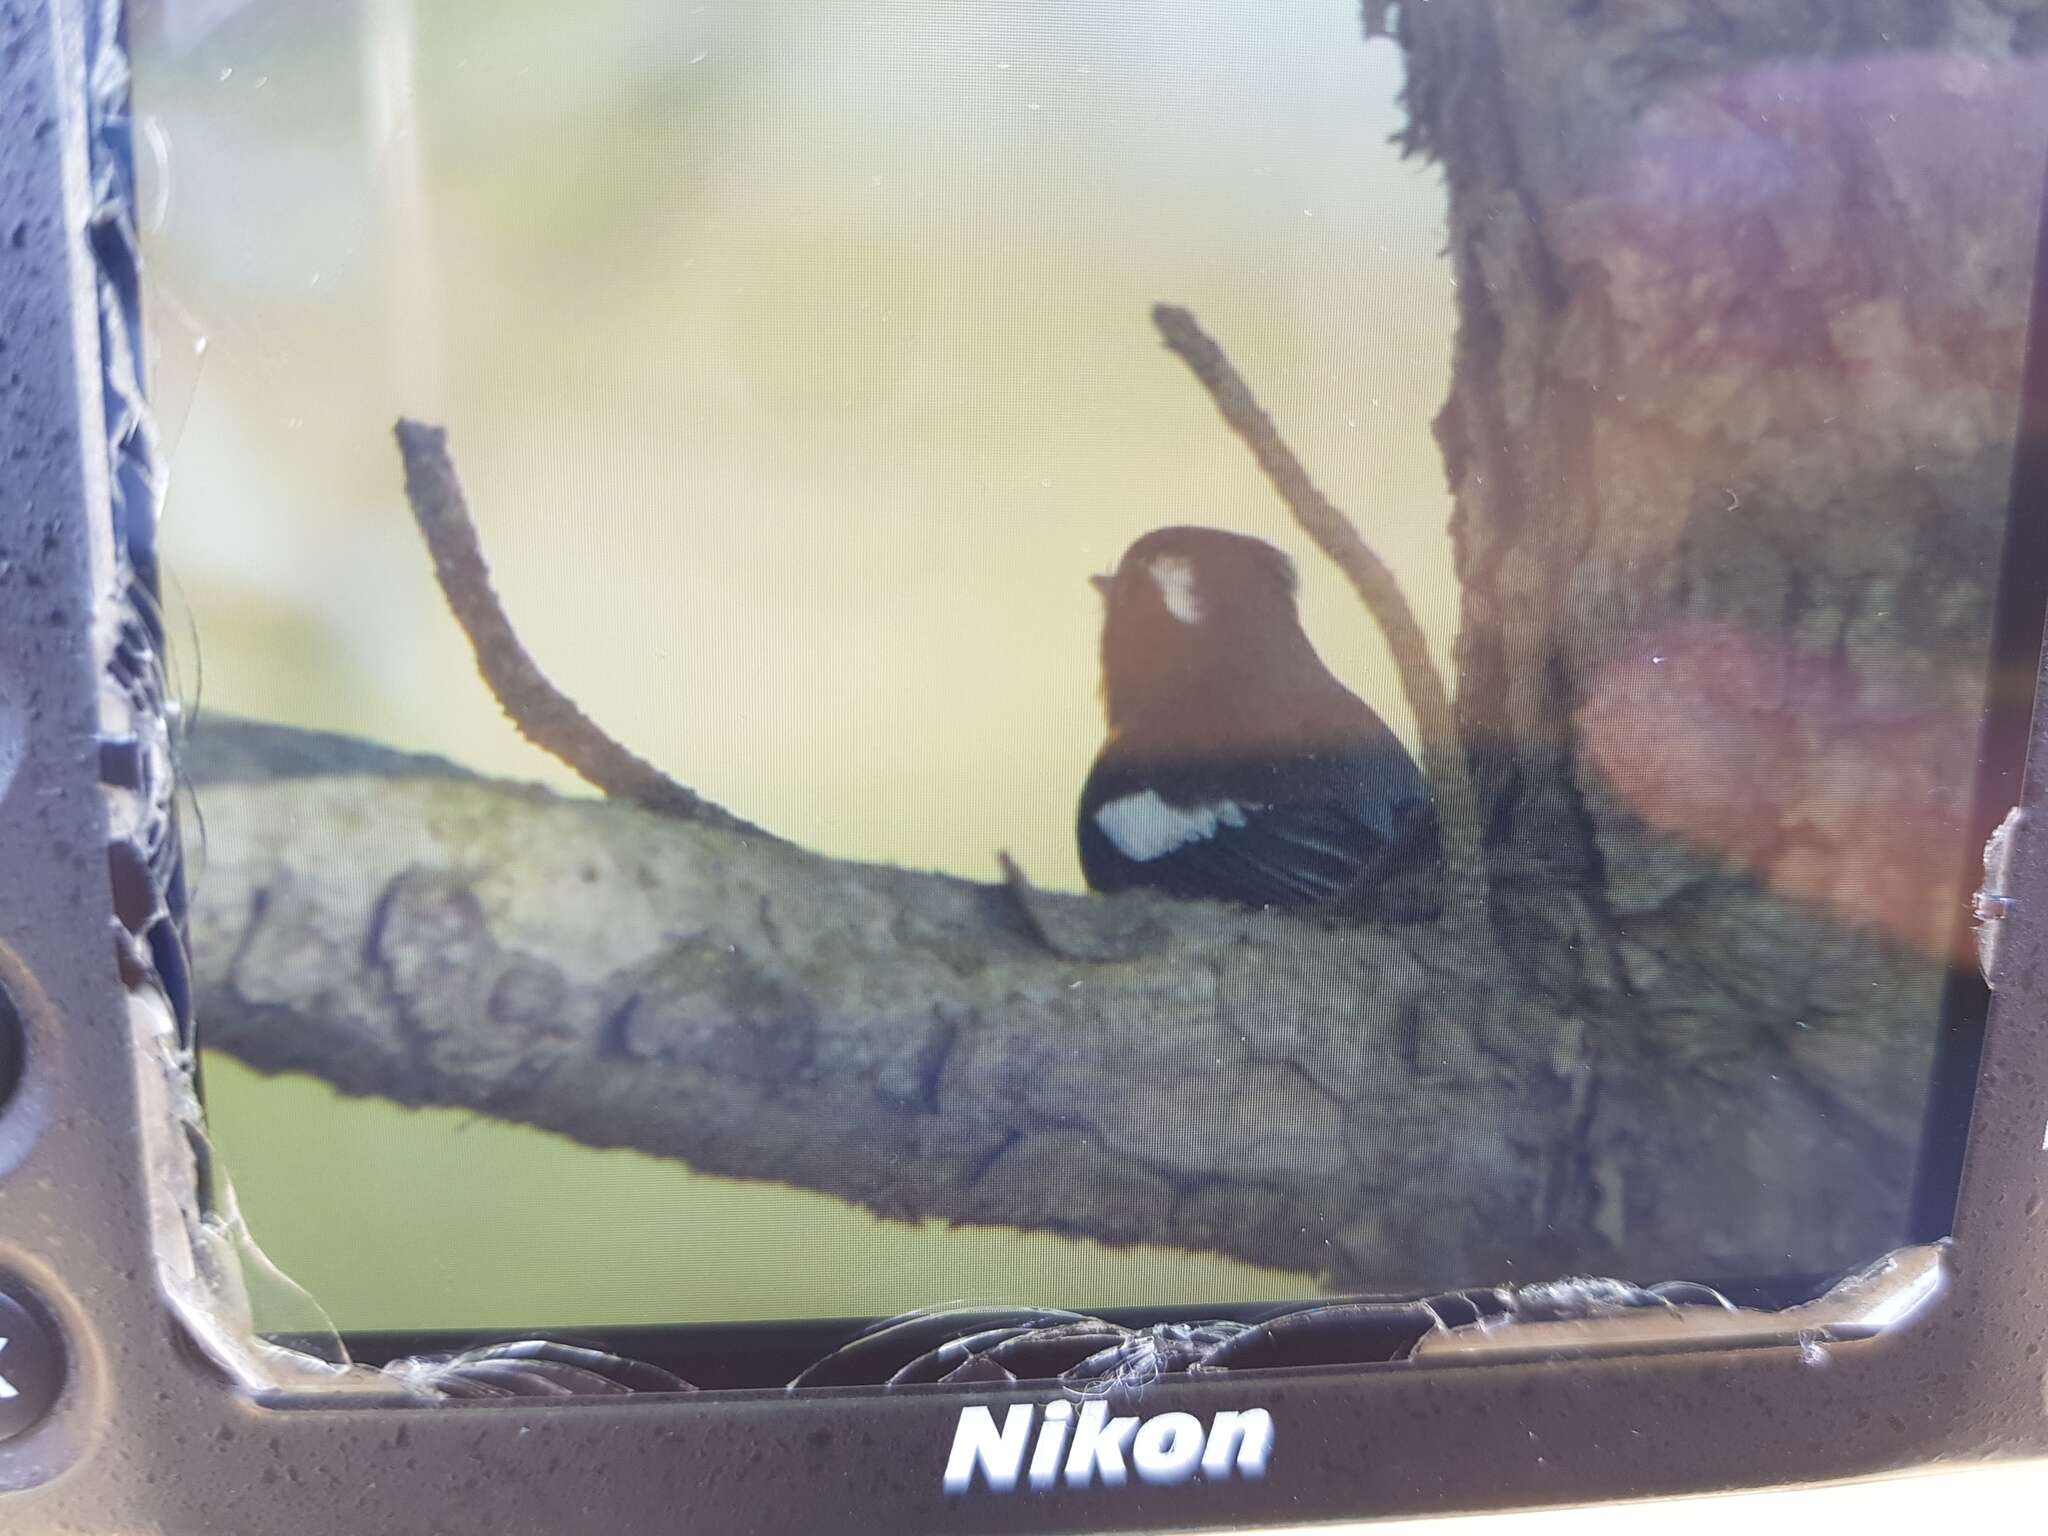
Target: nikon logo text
1079, 1449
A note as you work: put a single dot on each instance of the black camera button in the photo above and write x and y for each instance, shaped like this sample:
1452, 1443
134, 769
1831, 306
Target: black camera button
31, 1365
13, 1048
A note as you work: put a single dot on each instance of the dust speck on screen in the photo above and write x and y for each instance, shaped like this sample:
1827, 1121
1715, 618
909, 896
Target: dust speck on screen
1087, 676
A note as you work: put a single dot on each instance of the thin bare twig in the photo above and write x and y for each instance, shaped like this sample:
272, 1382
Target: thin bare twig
542, 713
1443, 754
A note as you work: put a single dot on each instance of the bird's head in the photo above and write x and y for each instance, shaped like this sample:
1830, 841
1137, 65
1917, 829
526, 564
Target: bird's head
1187, 609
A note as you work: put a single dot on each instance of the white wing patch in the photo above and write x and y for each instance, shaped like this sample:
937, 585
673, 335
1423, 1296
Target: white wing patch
1175, 579
1144, 827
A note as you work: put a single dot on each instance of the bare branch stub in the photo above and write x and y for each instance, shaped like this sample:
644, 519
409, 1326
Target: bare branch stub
543, 714
1079, 927
1443, 755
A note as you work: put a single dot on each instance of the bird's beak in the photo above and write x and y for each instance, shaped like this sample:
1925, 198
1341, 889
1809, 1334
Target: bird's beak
1102, 584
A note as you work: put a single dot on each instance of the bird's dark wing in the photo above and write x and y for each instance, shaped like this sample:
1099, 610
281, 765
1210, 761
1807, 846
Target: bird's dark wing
1282, 832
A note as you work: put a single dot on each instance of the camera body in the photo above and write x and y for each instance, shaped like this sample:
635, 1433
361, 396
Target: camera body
121, 1411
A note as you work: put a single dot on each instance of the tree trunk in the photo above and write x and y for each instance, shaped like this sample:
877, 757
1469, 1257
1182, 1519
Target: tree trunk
1744, 293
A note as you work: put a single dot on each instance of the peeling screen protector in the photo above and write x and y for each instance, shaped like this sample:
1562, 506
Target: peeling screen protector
842, 660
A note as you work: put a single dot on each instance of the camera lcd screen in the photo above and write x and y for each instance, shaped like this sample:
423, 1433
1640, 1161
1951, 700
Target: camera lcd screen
1037, 655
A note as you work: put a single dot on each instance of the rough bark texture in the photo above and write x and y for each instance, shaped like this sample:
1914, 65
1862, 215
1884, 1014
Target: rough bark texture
1743, 293
1369, 1104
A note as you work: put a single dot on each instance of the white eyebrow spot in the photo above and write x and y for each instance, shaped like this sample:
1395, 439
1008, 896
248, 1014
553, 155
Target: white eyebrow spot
1144, 827
1175, 579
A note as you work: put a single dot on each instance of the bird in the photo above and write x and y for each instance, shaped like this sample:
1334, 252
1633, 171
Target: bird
1236, 767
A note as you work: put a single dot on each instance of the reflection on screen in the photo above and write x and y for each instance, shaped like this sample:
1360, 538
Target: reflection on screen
949, 791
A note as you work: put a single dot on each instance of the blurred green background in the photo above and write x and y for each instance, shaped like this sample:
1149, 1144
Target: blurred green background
797, 360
